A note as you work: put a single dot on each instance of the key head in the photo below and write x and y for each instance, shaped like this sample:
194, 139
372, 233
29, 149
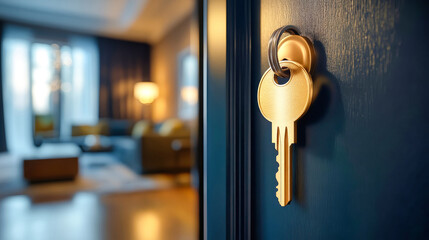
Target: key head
285, 103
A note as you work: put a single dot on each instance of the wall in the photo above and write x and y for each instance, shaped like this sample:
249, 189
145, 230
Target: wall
164, 68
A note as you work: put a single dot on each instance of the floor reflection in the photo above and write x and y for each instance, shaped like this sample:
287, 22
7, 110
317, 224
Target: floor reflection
147, 225
156, 214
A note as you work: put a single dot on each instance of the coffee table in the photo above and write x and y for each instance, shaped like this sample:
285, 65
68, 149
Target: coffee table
52, 161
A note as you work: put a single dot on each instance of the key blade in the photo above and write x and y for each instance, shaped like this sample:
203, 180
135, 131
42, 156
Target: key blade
283, 175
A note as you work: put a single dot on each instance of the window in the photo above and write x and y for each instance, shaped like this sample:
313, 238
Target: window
45, 82
48, 86
188, 85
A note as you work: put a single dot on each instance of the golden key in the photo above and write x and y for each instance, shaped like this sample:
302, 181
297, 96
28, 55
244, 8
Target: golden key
283, 105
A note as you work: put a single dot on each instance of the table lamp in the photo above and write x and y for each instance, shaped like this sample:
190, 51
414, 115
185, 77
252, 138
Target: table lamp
146, 93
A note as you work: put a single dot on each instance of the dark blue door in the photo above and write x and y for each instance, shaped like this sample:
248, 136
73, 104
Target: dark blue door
362, 159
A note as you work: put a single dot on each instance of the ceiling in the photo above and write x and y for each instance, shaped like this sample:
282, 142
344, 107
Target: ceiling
137, 20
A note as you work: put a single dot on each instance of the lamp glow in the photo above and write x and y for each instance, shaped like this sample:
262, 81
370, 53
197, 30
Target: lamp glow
189, 95
146, 92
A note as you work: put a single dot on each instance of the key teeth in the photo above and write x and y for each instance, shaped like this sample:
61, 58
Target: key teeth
278, 177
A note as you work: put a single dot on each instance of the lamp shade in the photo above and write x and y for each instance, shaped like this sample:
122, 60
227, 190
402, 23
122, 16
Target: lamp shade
146, 92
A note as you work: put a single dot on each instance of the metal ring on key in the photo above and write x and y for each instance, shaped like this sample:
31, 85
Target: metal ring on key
273, 47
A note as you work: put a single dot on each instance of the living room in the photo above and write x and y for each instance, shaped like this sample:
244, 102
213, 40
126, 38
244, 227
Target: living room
99, 109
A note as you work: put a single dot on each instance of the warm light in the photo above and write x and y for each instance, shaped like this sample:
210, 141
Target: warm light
189, 95
147, 225
146, 92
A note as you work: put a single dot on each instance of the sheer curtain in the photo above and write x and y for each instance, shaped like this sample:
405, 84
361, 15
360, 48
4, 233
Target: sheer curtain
16, 89
81, 90
79, 85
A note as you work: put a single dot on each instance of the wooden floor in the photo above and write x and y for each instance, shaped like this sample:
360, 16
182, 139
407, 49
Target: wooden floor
152, 214
106, 201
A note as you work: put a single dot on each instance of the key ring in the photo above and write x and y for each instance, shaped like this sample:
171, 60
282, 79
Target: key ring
273, 44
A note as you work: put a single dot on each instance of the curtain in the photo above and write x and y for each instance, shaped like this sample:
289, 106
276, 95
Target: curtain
16, 89
80, 100
122, 64
3, 146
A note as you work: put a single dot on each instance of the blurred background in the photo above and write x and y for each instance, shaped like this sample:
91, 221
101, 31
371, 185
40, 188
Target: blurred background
98, 119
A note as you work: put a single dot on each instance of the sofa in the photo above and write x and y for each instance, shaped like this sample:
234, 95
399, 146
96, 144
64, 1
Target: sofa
142, 146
